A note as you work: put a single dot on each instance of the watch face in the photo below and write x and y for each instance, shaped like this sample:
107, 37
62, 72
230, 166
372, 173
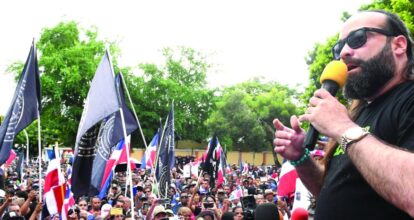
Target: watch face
354, 133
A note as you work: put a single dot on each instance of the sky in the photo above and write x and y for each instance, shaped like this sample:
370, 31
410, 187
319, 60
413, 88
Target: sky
242, 39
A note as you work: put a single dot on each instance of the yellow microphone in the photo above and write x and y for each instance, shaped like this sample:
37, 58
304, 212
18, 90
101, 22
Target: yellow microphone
333, 77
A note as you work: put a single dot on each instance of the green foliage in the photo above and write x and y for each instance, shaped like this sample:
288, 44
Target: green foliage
244, 115
404, 8
68, 58
183, 79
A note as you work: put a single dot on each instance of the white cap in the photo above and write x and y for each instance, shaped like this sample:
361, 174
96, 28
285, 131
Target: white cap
105, 209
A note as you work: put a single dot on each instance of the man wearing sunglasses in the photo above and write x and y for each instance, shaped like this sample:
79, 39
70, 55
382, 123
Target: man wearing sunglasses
368, 171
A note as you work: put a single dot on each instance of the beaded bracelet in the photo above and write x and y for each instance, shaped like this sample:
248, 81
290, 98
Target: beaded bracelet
305, 156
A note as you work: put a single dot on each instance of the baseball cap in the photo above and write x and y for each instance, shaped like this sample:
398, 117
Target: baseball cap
159, 209
169, 211
105, 209
268, 191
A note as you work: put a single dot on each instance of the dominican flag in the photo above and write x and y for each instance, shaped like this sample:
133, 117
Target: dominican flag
244, 168
287, 180
55, 187
221, 169
148, 159
69, 201
25, 105
114, 160
123, 159
228, 169
237, 193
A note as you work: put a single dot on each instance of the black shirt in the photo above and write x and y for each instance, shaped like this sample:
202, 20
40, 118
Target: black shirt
345, 194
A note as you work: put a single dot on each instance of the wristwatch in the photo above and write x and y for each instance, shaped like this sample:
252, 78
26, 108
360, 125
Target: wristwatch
353, 135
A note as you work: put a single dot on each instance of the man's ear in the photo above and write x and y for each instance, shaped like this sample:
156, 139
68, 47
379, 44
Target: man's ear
400, 44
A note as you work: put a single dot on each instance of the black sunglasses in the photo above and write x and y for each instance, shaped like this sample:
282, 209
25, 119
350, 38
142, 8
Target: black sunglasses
356, 39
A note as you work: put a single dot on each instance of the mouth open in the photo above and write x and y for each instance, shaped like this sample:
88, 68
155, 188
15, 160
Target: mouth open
352, 67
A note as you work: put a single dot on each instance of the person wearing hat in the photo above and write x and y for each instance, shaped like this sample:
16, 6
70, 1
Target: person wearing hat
115, 192
156, 212
169, 213
269, 196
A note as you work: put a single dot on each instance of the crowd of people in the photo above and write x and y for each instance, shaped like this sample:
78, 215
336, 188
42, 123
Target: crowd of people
188, 197
367, 171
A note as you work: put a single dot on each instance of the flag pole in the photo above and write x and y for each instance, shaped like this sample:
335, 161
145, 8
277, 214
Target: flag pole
127, 142
40, 154
129, 172
133, 110
27, 147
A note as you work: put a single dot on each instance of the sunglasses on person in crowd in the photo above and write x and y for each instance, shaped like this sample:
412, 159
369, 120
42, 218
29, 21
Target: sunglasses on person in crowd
356, 39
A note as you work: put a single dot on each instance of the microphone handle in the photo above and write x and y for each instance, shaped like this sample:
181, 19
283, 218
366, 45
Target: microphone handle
312, 135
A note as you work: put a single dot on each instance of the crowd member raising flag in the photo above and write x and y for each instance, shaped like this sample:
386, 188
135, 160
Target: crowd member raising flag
166, 155
101, 102
25, 107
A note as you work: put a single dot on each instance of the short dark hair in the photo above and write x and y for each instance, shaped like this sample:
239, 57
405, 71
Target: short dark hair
397, 26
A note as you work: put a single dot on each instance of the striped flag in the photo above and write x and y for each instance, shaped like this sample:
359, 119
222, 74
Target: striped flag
287, 180
221, 169
55, 187
148, 159
110, 166
69, 201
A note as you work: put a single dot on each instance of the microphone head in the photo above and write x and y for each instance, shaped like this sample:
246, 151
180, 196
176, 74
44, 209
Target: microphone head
336, 71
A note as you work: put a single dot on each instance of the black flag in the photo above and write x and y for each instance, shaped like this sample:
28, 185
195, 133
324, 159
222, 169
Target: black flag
101, 102
166, 155
25, 106
110, 133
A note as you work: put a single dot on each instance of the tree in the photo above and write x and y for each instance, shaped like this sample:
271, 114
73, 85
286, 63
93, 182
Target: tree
181, 78
68, 58
244, 115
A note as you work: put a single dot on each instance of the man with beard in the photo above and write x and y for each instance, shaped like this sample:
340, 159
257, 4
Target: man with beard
369, 167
